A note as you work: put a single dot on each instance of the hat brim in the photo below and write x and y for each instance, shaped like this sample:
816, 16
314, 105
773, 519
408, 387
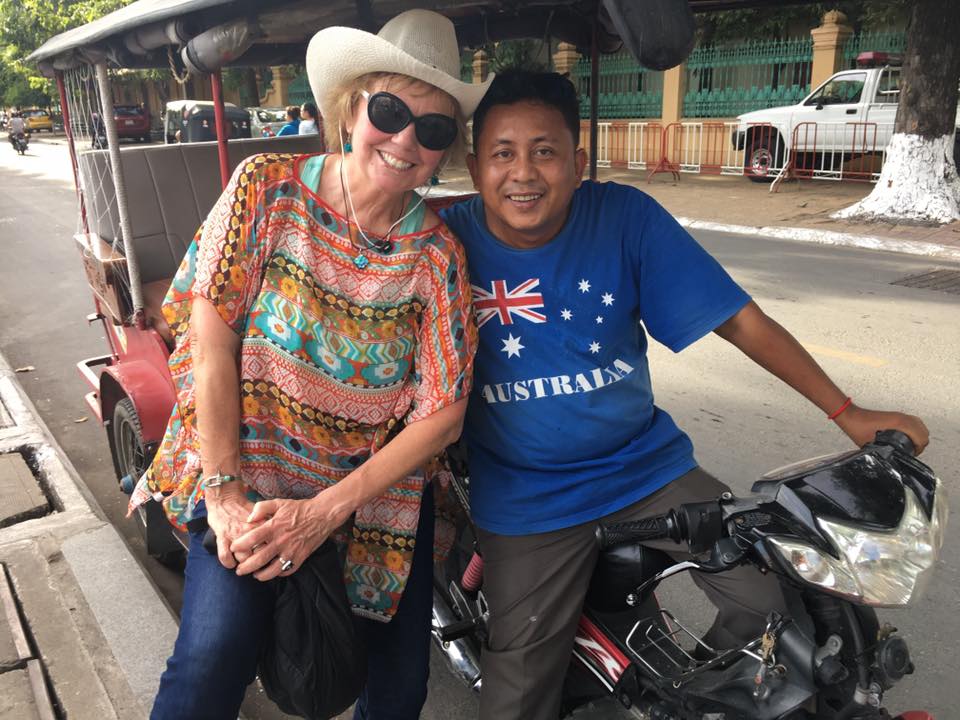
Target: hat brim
337, 55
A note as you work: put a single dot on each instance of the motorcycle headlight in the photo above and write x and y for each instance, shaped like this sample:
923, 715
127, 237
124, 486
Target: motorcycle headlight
878, 568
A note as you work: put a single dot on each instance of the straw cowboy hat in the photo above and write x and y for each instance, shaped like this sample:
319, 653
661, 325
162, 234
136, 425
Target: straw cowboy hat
418, 43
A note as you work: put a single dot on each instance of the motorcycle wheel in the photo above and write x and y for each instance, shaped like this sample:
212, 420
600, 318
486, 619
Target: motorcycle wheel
130, 458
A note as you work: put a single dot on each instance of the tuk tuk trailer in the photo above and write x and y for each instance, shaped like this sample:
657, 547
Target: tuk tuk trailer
140, 206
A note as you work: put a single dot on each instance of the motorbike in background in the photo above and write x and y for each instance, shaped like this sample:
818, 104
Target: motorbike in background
845, 534
20, 142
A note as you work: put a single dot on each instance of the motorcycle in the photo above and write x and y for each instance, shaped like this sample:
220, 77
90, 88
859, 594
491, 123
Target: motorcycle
844, 534
20, 142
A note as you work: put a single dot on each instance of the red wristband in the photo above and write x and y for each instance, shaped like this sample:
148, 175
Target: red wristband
836, 413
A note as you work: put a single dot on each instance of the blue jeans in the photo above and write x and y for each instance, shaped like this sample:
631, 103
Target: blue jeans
222, 628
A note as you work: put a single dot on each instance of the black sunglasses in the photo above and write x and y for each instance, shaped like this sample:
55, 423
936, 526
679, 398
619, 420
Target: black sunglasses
390, 114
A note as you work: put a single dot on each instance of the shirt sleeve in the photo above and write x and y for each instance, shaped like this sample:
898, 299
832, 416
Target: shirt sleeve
448, 330
229, 254
684, 292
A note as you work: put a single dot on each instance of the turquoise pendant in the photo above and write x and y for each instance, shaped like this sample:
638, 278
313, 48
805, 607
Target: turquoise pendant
361, 261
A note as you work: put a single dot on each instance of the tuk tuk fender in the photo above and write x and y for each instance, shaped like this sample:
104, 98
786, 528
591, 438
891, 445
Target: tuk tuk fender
150, 391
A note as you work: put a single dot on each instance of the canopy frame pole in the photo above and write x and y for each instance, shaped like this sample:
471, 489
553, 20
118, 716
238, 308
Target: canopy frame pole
68, 129
594, 88
219, 119
120, 187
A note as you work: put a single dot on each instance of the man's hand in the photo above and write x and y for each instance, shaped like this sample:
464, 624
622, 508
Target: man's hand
861, 425
228, 511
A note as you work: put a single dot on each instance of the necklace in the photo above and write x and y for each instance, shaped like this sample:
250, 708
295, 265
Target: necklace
381, 246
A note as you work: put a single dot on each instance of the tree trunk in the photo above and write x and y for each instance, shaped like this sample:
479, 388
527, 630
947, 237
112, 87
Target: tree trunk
919, 179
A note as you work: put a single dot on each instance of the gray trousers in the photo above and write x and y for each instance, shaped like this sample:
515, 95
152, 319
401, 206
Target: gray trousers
535, 586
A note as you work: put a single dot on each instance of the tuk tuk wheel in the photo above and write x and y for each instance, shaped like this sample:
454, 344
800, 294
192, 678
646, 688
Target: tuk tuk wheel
131, 459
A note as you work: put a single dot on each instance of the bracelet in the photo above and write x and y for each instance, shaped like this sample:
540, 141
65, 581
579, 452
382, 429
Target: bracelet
219, 479
836, 413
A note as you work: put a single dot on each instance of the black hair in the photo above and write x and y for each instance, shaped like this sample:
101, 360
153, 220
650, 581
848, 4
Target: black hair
550, 89
310, 109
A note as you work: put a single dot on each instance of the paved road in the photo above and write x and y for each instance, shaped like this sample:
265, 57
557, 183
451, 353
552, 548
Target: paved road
889, 346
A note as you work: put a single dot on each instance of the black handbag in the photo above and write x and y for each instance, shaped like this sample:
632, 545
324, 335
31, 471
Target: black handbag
313, 663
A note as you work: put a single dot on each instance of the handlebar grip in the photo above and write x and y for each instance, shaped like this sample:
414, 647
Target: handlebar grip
899, 440
658, 527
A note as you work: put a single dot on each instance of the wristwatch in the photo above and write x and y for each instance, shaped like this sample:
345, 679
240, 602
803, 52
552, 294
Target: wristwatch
219, 479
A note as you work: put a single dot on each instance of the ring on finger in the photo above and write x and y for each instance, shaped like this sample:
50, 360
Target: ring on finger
285, 564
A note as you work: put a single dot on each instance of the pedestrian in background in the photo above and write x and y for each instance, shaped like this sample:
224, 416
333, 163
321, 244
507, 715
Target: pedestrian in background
293, 121
308, 119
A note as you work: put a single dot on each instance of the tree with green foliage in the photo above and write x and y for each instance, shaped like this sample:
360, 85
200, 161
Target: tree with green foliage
24, 26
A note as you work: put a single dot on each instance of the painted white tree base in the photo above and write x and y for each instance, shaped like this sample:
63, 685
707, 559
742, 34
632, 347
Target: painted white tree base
918, 183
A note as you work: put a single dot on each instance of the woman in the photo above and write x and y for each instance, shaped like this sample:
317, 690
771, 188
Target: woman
324, 355
308, 119
292, 126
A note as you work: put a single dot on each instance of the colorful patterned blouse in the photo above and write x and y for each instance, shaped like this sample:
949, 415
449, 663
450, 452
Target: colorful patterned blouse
333, 359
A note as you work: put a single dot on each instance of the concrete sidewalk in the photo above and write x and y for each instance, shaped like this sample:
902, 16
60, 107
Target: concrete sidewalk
84, 634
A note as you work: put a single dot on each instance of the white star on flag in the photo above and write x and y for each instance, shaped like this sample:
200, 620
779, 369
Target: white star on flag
512, 346
566, 314
594, 347
608, 299
584, 286
599, 319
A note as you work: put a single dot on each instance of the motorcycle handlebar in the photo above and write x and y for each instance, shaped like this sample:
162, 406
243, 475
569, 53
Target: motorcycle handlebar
899, 440
657, 527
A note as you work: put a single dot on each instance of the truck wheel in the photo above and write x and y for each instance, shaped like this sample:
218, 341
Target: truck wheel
131, 459
763, 154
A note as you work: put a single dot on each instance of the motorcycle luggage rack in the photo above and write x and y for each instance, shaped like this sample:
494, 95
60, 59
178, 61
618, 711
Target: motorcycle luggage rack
660, 650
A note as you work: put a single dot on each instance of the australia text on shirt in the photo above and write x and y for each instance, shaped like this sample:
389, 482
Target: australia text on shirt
525, 301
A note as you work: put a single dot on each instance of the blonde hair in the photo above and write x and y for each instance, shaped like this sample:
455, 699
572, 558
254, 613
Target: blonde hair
341, 104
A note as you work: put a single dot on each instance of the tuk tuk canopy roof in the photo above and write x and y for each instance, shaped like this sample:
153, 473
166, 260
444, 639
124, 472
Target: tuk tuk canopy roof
285, 26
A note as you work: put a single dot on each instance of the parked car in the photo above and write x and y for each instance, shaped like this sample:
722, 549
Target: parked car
194, 121
266, 122
37, 120
133, 121
853, 110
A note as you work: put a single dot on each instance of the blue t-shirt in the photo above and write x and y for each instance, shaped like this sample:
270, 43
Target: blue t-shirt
561, 427
291, 128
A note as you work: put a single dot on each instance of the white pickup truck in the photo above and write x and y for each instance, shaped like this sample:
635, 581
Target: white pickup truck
854, 112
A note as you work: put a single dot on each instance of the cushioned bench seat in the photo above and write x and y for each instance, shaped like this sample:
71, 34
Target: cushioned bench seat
170, 190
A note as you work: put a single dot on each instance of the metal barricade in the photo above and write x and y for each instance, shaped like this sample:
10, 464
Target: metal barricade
837, 151
700, 148
603, 144
644, 144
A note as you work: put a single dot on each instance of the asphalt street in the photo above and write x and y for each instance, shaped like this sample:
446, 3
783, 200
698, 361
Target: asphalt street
890, 347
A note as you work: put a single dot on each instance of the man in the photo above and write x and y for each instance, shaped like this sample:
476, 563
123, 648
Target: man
562, 430
16, 126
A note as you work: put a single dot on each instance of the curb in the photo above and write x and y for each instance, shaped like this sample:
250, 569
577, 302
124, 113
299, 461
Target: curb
829, 237
137, 625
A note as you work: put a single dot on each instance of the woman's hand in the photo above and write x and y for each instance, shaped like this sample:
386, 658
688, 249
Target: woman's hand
288, 529
228, 513
861, 425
